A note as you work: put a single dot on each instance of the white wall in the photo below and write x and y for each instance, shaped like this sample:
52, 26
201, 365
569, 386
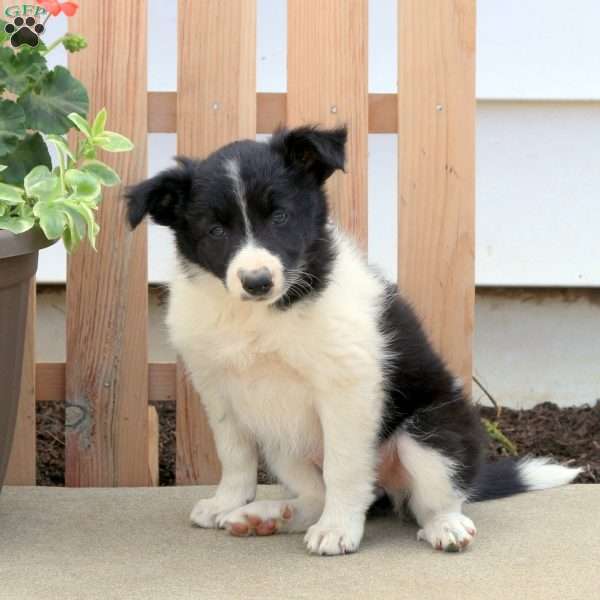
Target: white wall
538, 163
538, 346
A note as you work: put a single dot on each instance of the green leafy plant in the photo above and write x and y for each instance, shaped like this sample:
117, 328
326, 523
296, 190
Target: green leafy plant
63, 201
38, 107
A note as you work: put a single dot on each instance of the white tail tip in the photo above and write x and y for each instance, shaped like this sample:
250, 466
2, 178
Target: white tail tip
543, 473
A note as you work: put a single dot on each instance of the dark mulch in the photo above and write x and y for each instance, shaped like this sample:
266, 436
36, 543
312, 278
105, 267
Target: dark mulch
166, 444
50, 423
570, 435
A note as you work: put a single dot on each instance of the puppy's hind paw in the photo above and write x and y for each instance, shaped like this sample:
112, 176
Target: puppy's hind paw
451, 532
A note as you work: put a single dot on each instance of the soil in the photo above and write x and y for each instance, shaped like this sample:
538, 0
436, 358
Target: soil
570, 435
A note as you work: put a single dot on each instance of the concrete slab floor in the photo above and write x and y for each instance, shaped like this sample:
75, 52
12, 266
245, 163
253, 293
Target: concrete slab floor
88, 544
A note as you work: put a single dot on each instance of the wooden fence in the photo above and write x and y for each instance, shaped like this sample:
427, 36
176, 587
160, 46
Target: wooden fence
107, 383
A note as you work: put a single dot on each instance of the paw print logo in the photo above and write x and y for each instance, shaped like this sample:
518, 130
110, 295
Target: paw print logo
24, 31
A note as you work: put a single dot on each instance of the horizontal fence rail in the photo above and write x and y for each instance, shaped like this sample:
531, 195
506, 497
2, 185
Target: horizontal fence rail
107, 384
271, 112
50, 382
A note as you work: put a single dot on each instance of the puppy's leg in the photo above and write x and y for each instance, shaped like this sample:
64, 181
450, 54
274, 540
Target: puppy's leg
266, 517
349, 424
238, 454
435, 498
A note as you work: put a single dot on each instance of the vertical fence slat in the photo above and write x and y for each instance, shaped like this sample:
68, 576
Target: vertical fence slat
436, 121
22, 463
327, 84
196, 458
216, 104
107, 312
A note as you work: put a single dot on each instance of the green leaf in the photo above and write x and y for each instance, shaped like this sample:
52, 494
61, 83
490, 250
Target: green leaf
102, 172
30, 153
36, 175
85, 186
16, 224
42, 185
4, 37
69, 240
23, 210
99, 123
61, 146
3, 168
77, 223
52, 219
11, 194
86, 214
12, 126
20, 70
89, 152
81, 124
59, 94
113, 142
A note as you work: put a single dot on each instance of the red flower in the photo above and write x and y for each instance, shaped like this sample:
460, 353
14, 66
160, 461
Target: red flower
55, 8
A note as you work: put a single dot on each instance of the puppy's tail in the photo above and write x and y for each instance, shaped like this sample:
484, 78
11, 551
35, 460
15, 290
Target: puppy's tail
508, 477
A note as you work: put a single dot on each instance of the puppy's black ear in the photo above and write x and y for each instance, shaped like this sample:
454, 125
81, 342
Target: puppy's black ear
318, 152
163, 197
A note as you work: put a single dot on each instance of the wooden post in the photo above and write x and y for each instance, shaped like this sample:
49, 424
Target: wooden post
216, 104
436, 148
107, 312
327, 84
22, 462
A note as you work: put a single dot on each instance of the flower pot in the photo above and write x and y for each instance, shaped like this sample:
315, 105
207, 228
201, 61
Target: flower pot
18, 263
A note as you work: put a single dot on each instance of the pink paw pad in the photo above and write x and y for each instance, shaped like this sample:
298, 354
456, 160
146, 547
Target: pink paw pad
255, 525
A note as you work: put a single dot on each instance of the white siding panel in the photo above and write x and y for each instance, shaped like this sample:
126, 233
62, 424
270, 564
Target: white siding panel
538, 49
162, 45
383, 210
383, 47
162, 147
538, 194
271, 46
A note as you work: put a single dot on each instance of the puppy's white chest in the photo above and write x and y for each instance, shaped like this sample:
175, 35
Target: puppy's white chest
274, 399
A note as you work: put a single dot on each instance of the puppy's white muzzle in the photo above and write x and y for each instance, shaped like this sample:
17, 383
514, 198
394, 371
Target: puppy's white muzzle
255, 274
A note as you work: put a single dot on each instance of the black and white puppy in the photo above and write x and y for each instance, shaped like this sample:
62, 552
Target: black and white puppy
297, 347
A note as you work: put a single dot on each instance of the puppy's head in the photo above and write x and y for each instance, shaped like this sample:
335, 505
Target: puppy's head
253, 214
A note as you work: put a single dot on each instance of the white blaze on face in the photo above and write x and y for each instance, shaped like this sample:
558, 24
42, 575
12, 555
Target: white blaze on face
250, 257
232, 168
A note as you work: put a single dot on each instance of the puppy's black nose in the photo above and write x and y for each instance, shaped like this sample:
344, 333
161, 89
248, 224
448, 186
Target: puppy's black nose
258, 282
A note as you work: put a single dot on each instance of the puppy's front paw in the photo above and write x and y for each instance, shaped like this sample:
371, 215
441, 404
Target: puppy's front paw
209, 513
330, 537
264, 517
451, 532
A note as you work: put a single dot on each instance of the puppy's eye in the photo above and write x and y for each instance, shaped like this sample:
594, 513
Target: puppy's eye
279, 217
217, 232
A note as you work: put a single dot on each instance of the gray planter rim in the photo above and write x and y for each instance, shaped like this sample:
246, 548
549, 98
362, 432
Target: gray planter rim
17, 244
